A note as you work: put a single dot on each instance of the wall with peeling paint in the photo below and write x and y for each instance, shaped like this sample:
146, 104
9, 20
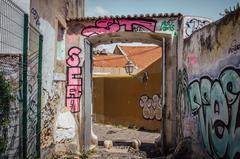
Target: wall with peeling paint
49, 17
209, 87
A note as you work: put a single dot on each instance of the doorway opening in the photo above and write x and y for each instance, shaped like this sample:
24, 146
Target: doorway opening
127, 107
127, 98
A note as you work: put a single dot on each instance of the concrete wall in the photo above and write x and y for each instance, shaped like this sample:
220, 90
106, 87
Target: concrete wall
209, 87
125, 100
44, 18
193, 23
49, 17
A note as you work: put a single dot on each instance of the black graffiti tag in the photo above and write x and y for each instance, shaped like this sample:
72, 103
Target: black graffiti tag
194, 24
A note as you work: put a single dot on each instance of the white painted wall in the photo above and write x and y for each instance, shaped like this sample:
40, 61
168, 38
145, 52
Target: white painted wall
49, 35
65, 127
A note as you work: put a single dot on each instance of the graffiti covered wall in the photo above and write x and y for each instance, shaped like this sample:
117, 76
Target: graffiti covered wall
168, 23
165, 24
114, 25
52, 24
209, 87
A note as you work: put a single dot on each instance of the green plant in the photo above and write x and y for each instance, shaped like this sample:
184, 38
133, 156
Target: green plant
5, 99
230, 10
119, 126
87, 155
2, 144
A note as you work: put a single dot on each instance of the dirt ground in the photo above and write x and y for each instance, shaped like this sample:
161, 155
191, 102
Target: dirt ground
122, 140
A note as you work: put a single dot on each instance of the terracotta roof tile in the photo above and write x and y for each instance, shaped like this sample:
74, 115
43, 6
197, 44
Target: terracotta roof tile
109, 61
142, 56
160, 15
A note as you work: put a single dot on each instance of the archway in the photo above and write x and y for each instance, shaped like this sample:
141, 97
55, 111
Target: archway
86, 33
123, 37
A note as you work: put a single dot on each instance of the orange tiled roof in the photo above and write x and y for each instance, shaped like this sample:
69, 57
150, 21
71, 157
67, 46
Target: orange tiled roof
142, 56
109, 61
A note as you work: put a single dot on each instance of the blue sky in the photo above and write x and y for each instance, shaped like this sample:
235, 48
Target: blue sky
205, 8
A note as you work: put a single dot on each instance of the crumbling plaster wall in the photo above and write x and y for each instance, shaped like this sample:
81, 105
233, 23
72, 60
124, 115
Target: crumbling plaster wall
46, 16
209, 87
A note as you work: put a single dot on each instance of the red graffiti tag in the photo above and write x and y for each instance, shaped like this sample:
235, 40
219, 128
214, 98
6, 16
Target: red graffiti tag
74, 80
114, 25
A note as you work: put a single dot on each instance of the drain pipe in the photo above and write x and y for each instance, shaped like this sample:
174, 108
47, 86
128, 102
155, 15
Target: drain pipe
163, 125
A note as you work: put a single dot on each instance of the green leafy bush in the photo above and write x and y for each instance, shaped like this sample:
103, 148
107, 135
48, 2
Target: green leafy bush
5, 100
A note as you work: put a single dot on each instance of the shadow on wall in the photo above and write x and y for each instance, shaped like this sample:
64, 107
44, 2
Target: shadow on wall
127, 101
212, 95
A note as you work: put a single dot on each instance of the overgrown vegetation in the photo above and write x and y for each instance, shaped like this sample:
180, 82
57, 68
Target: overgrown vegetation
231, 10
5, 99
88, 154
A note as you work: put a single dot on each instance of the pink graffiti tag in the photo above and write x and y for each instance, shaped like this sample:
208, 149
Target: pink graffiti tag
102, 26
104, 22
148, 24
192, 59
74, 80
74, 76
114, 25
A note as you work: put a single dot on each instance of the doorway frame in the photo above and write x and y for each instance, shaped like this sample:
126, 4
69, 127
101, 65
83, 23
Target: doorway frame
161, 39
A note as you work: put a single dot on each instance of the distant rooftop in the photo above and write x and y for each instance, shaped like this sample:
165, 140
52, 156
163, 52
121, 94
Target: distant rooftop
109, 60
141, 56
